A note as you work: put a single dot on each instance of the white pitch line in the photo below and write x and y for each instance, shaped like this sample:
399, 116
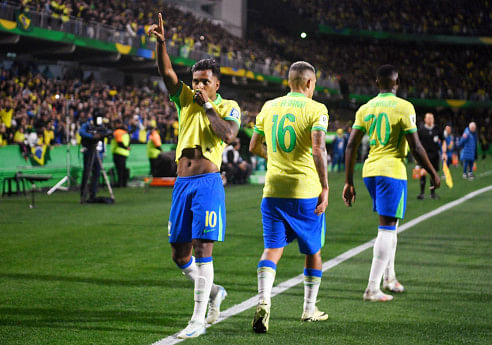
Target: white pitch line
251, 302
486, 173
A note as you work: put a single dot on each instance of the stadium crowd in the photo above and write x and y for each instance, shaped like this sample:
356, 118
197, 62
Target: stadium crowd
33, 107
460, 17
463, 73
184, 30
436, 72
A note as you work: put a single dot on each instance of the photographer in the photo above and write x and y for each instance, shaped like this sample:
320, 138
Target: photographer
92, 144
120, 147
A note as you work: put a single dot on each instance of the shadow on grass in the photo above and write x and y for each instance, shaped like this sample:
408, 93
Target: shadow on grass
89, 319
170, 283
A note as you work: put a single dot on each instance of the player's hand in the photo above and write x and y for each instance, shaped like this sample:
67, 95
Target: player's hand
436, 181
200, 97
348, 194
157, 30
322, 202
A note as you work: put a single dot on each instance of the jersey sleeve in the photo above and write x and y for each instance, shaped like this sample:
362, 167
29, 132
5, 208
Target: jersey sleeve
359, 121
408, 119
320, 119
232, 113
260, 118
183, 96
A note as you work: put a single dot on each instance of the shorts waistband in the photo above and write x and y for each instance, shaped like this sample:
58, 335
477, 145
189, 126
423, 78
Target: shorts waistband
196, 177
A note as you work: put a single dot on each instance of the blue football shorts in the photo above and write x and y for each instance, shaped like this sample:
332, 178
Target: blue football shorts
286, 219
389, 195
198, 209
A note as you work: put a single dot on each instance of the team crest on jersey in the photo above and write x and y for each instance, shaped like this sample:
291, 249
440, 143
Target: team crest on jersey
323, 120
234, 113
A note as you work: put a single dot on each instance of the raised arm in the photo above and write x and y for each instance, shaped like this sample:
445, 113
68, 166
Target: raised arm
321, 162
163, 61
420, 155
348, 194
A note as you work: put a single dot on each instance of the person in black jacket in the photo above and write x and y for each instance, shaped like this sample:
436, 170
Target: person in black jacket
432, 139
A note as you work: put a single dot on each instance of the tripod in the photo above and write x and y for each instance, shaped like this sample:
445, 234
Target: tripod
66, 178
88, 174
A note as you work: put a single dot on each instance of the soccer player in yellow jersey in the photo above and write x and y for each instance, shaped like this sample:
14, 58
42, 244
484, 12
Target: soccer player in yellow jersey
389, 122
295, 195
197, 218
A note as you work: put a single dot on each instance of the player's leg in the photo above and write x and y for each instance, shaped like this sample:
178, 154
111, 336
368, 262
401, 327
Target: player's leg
310, 232
266, 276
390, 282
382, 250
275, 239
389, 200
180, 238
209, 222
266, 273
312, 281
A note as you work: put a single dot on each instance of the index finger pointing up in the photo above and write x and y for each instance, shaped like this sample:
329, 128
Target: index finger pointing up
160, 19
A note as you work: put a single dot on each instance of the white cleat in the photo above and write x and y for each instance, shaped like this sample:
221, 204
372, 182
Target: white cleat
214, 305
376, 296
393, 286
193, 330
316, 315
262, 318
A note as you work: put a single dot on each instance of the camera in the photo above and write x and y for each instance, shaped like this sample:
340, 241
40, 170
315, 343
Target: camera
98, 127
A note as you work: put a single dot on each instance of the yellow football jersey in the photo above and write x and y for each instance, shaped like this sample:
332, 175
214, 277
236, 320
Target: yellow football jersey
287, 122
194, 127
386, 119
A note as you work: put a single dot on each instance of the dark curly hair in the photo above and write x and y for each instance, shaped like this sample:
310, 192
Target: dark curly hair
206, 64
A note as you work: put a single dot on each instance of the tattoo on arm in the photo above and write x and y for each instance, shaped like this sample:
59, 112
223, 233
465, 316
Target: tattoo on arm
320, 157
226, 130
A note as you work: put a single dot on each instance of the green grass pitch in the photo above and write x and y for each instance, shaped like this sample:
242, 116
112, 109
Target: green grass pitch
102, 274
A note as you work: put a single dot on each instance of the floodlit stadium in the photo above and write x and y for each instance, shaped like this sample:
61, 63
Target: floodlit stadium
157, 159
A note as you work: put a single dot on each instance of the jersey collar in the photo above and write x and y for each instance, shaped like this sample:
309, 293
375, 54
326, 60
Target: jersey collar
386, 94
218, 99
296, 94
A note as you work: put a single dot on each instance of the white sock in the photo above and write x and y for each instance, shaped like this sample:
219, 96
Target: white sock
389, 272
203, 285
266, 277
381, 254
191, 272
312, 281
